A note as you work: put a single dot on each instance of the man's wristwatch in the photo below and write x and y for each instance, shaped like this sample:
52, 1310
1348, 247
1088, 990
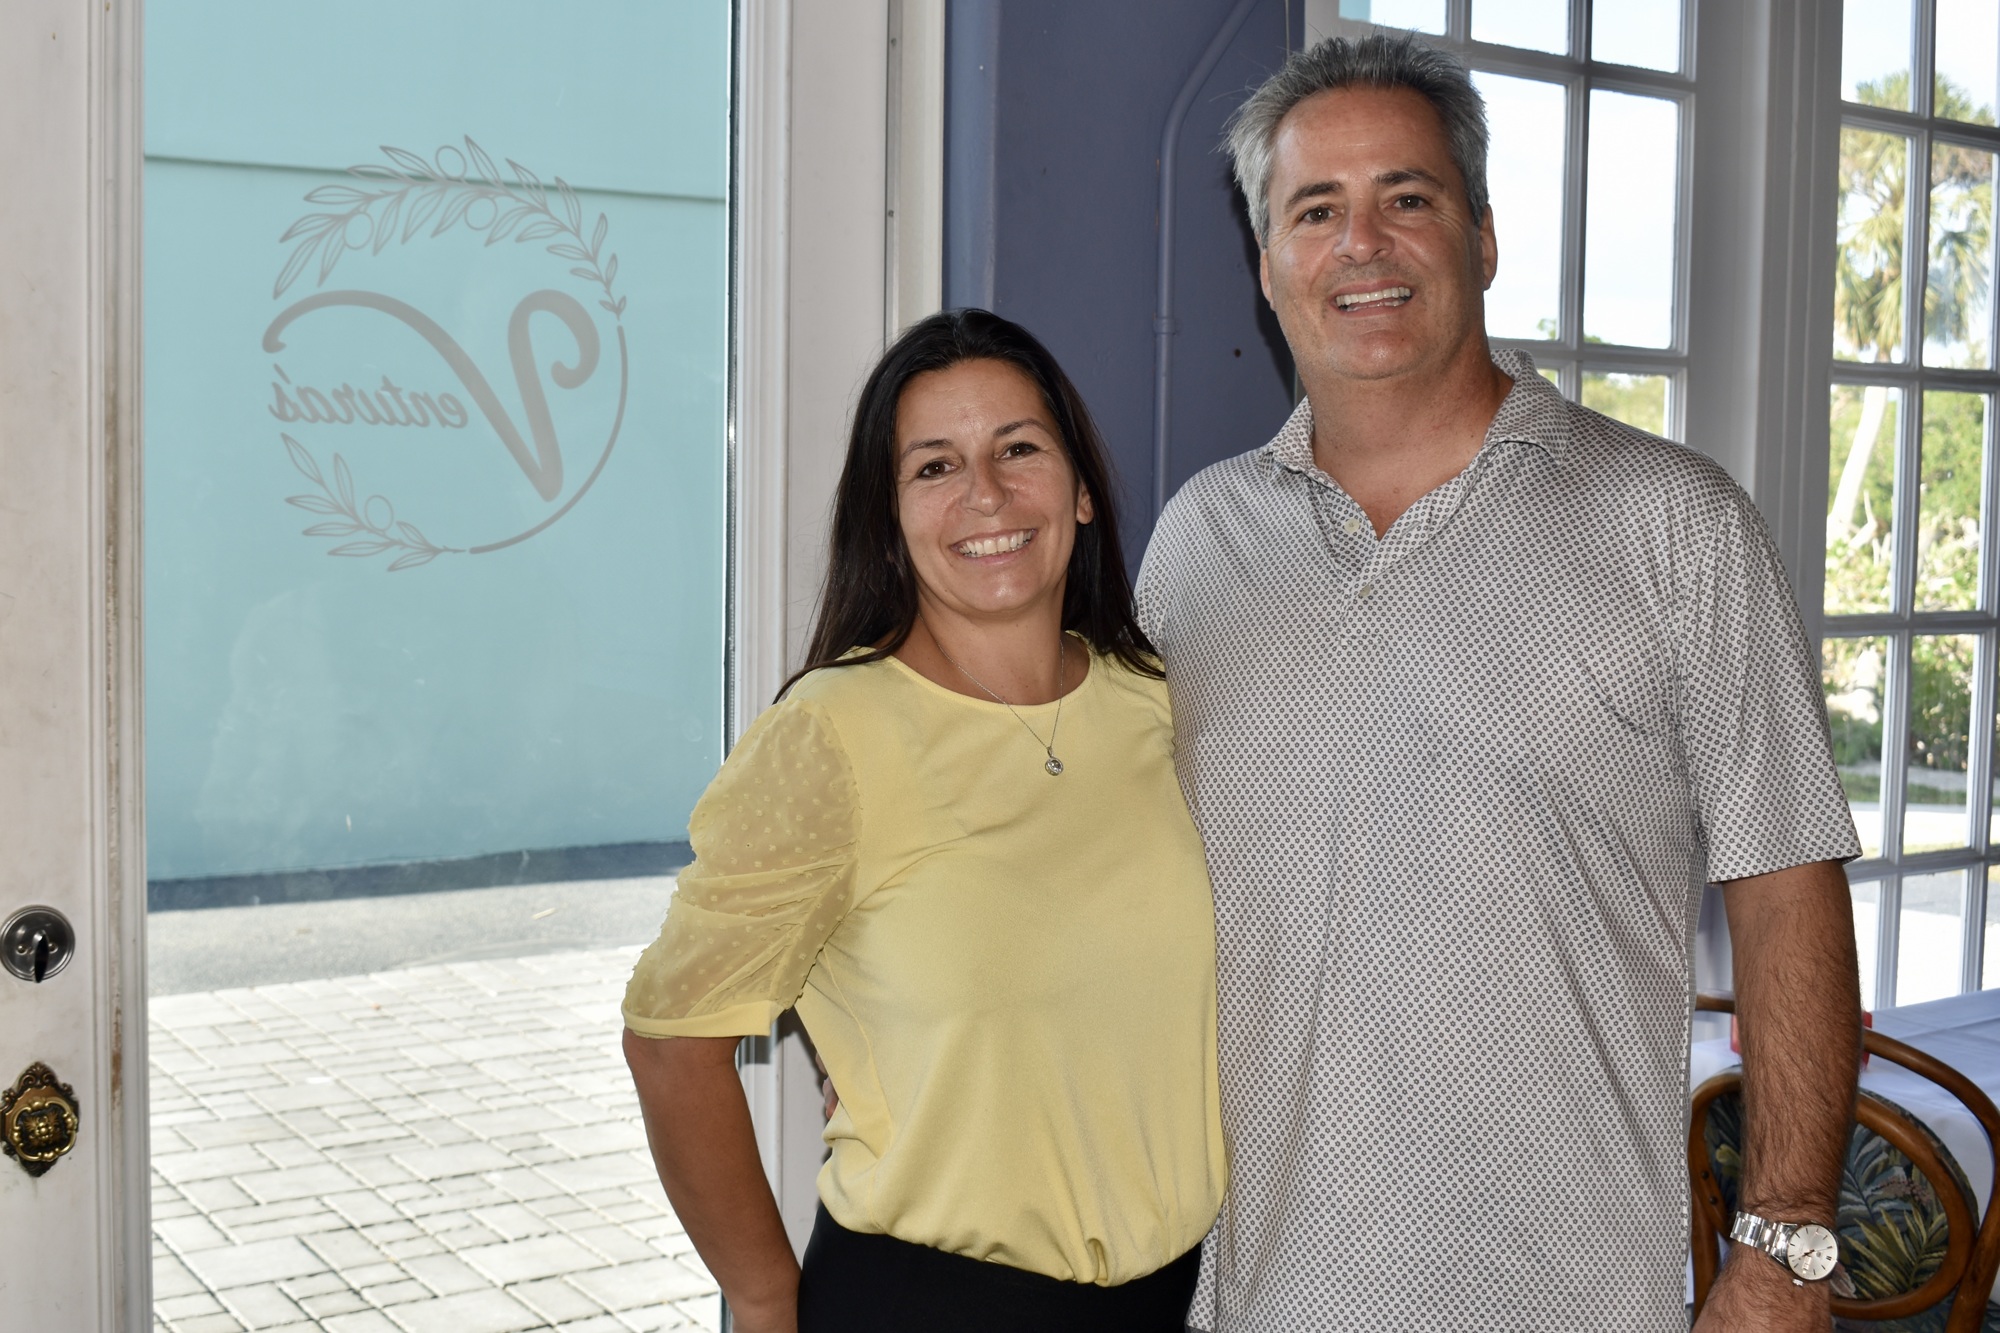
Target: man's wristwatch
1807, 1250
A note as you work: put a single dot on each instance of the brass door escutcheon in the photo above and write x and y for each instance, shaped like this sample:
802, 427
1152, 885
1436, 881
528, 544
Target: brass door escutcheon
38, 1119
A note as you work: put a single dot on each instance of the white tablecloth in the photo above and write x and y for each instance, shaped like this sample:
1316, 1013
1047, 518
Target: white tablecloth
1963, 1031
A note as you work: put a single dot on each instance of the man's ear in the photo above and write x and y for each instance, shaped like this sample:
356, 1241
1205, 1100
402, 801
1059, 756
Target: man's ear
1264, 275
1489, 249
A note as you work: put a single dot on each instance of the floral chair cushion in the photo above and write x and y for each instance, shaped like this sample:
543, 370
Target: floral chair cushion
1892, 1227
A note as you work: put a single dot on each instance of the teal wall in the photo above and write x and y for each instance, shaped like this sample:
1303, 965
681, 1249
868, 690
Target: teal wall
310, 710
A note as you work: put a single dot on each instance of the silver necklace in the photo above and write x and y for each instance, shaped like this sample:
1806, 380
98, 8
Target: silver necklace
1054, 765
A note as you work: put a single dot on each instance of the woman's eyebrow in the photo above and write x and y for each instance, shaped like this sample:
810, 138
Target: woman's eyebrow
941, 443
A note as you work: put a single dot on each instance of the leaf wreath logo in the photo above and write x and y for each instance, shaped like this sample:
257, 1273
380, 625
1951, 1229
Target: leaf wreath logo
394, 203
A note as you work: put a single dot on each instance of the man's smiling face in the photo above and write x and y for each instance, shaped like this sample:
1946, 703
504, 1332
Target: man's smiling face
1374, 264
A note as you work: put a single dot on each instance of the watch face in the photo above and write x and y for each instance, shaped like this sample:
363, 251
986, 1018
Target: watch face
1812, 1252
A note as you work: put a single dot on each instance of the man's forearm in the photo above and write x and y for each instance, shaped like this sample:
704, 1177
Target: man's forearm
1798, 1009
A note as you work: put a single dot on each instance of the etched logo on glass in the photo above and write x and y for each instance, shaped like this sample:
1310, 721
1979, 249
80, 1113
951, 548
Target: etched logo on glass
386, 402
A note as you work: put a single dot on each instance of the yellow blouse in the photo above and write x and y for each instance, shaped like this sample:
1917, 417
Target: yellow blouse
1010, 976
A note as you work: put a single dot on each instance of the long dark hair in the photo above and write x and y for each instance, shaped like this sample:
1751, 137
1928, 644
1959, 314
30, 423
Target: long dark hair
870, 597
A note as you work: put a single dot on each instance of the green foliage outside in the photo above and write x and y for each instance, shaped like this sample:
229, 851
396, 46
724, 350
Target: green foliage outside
1860, 536
1636, 400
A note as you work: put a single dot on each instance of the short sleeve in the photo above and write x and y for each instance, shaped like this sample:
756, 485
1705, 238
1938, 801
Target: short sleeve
1752, 715
774, 844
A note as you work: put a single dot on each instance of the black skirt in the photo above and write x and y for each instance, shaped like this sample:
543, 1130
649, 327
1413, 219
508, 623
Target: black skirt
858, 1283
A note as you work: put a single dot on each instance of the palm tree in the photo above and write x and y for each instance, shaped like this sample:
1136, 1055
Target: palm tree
1868, 274
1869, 300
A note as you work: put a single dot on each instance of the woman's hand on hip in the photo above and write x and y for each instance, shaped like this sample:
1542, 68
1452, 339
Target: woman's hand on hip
782, 1319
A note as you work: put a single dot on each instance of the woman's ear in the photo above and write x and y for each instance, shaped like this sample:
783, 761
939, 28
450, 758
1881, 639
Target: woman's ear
1085, 511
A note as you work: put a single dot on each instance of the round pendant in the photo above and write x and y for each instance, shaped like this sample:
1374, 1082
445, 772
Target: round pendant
1054, 766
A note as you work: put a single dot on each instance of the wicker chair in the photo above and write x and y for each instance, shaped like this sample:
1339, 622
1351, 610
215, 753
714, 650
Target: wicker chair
1972, 1248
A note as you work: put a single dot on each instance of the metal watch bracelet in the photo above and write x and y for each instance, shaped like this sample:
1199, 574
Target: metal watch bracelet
1806, 1250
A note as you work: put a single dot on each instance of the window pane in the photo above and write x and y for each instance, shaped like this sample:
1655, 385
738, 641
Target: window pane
436, 336
1422, 15
1867, 897
1539, 25
1646, 33
1636, 400
1875, 53
1993, 794
1989, 959
1628, 293
1968, 42
1868, 269
1935, 793
1930, 937
1958, 286
1525, 168
1860, 508
1853, 674
1953, 456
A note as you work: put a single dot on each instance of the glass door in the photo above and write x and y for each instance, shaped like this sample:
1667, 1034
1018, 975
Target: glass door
436, 345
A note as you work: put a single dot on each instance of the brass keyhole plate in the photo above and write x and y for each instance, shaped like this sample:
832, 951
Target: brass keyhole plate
38, 1119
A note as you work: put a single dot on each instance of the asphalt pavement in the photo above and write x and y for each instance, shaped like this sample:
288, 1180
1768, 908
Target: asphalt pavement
221, 947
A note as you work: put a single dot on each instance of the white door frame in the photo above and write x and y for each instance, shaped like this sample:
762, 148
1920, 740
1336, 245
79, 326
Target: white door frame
77, 1240
840, 221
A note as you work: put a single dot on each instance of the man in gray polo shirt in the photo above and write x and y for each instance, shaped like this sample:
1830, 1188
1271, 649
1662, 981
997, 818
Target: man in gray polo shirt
1475, 688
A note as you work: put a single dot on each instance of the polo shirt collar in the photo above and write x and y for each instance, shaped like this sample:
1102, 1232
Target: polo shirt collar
1533, 412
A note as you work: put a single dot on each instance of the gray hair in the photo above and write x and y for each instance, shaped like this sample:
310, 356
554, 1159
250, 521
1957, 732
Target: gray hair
1380, 60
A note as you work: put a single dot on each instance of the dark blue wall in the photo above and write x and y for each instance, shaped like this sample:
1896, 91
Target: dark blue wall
1054, 112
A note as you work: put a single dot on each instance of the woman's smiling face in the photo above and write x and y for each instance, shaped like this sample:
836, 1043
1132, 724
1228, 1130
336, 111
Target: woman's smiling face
985, 493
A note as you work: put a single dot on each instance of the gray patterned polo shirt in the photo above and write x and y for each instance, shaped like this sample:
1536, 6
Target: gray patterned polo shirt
1460, 789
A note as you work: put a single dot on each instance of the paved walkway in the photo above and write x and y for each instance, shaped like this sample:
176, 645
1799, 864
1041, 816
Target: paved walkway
446, 1149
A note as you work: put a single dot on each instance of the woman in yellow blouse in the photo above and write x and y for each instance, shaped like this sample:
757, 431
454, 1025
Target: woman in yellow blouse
958, 847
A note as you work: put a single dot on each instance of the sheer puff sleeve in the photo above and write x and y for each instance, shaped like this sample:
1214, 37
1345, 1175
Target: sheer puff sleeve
772, 876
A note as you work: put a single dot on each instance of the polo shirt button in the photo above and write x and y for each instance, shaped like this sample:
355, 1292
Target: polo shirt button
1366, 589
1352, 526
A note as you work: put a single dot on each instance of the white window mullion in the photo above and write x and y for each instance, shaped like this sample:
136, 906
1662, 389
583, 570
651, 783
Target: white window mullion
1916, 242
1922, 61
1974, 954
1986, 684
1458, 21
1683, 265
1895, 741
1979, 756
1992, 353
1888, 939
1575, 203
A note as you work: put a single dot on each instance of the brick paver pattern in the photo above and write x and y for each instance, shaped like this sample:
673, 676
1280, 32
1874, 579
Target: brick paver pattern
450, 1149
